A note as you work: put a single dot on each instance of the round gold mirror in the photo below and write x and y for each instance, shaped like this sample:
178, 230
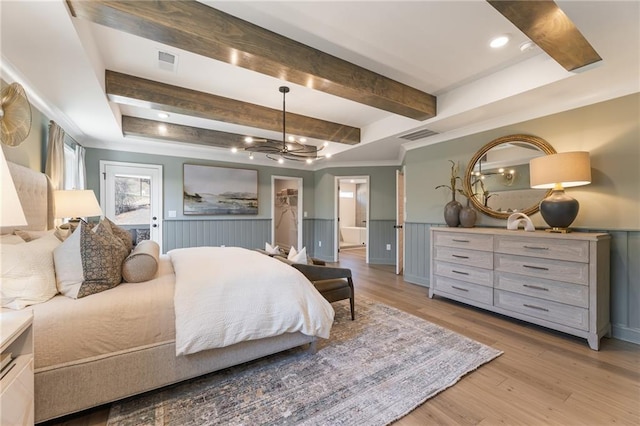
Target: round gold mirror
497, 177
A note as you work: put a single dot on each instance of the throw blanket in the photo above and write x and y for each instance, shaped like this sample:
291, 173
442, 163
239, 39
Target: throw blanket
228, 295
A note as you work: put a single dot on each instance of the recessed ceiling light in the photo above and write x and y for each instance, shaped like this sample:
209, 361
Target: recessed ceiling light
234, 149
499, 41
527, 45
163, 115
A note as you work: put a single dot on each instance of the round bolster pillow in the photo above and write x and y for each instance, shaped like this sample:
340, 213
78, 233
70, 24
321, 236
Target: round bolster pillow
142, 263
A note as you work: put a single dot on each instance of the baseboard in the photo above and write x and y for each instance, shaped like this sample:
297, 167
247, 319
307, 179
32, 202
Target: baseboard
627, 334
415, 279
382, 261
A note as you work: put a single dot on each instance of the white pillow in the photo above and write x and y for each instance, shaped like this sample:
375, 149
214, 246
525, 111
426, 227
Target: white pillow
297, 256
10, 239
271, 250
28, 275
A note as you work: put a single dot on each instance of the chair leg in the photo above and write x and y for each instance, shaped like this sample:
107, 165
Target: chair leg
353, 310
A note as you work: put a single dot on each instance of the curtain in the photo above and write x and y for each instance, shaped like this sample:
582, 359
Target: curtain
81, 168
55, 156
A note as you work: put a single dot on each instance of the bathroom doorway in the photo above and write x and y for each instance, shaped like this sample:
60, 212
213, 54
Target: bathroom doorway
352, 214
286, 205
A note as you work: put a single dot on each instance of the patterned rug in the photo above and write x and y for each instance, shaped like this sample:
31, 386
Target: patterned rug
372, 371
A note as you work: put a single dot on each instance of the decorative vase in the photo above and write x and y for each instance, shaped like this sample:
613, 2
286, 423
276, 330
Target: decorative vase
452, 212
468, 216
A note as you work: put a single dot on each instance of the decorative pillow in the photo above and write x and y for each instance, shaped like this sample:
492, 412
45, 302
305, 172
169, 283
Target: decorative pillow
10, 239
119, 232
28, 276
142, 263
298, 256
31, 235
270, 249
89, 261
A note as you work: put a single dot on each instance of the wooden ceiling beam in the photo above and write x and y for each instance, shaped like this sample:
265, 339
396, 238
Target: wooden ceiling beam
548, 27
141, 127
198, 28
130, 90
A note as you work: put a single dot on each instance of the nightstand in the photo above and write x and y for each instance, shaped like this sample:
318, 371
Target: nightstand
16, 386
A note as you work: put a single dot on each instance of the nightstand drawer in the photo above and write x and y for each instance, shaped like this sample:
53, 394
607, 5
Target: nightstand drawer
576, 251
465, 273
556, 270
466, 241
481, 259
469, 291
571, 294
570, 316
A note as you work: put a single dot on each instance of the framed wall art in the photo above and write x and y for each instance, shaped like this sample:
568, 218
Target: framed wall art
209, 190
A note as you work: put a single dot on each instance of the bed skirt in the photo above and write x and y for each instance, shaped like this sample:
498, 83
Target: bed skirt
77, 386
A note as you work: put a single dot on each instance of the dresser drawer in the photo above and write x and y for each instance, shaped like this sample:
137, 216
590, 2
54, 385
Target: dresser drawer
558, 291
572, 250
469, 274
469, 291
481, 259
463, 240
556, 270
570, 316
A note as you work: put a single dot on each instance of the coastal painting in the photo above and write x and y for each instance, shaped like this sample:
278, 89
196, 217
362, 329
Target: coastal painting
219, 191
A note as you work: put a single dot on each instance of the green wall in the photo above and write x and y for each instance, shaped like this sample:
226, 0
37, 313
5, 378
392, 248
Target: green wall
610, 131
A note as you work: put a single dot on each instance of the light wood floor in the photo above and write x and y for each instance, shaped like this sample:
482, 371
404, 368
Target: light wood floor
543, 377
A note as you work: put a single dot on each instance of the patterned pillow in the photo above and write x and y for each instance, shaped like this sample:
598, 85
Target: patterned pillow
119, 232
27, 272
89, 261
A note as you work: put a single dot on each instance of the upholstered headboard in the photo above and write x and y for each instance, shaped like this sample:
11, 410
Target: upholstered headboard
36, 196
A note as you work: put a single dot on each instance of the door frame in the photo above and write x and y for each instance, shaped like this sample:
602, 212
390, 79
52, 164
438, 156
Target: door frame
401, 199
300, 184
336, 213
159, 191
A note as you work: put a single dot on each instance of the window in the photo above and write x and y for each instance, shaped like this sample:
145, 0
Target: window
70, 167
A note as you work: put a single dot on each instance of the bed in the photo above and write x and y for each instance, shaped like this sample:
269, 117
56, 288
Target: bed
121, 342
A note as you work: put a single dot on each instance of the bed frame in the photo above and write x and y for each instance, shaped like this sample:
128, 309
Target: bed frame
77, 386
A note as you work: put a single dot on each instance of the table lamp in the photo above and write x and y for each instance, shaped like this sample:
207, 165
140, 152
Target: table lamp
76, 204
11, 213
559, 171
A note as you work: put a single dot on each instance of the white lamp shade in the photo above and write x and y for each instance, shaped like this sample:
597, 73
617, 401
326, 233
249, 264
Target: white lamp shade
12, 213
566, 169
76, 203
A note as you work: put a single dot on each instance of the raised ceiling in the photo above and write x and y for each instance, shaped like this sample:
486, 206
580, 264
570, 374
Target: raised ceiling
425, 47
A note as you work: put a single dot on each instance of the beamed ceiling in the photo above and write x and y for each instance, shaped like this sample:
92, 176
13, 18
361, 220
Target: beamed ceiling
363, 74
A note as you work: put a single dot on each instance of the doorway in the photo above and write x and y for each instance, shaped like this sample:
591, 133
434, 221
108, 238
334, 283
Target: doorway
131, 197
286, 205
352, 215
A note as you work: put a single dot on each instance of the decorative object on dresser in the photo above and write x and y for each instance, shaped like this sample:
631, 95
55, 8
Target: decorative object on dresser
559, 281
467, 215
11, 213
453, 207
560, 171
518, 219
16, 383
490, 176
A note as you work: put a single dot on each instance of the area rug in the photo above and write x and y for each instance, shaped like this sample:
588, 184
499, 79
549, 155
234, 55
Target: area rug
372, 371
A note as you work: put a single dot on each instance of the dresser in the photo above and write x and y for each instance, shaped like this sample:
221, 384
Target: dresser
559, 281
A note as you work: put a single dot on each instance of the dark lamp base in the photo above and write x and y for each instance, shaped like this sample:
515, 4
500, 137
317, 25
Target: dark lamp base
559, 210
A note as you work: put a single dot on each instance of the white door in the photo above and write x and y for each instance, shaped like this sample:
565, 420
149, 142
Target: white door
131, 197
399, 222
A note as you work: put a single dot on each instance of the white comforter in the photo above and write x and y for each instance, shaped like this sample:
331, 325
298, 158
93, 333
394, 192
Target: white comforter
228, 295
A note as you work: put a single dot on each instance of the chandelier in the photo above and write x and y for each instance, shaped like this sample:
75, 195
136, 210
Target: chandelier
289, 148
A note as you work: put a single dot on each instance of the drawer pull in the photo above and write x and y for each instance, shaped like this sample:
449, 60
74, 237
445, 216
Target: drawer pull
460, 288
459, 272
535, 287
460, 241
540, 268
459, 256
535, 307
536, 248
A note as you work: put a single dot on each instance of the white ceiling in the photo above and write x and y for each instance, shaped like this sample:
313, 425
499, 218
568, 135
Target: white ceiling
440, 47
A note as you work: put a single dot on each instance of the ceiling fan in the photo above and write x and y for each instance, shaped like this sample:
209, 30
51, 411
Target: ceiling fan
288, 149
15, 115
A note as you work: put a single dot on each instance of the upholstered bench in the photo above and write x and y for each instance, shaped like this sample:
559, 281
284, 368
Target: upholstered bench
332, 283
